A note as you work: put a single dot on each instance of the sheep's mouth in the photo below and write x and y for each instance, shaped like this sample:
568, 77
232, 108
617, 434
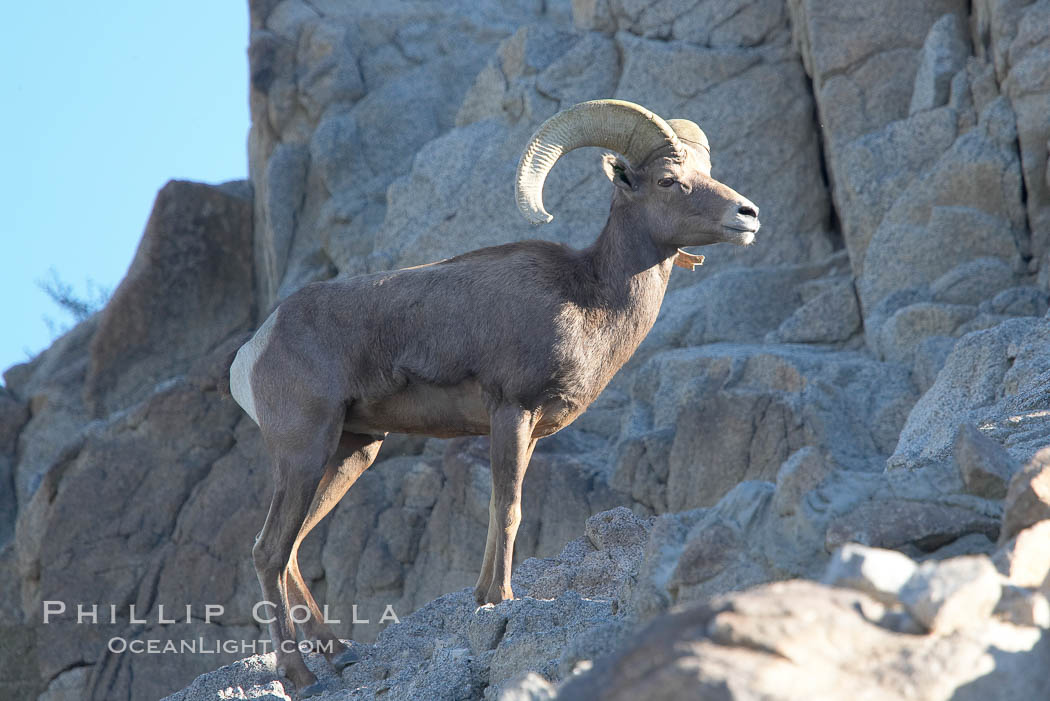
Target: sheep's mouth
740, 235
741, 225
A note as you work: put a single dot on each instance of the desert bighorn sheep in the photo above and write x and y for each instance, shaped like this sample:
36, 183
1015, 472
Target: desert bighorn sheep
513, 341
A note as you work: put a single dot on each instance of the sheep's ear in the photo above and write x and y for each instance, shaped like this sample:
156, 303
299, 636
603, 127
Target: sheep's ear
617, 170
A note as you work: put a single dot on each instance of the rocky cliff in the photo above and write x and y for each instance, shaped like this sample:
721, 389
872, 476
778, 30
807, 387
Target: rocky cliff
873, 371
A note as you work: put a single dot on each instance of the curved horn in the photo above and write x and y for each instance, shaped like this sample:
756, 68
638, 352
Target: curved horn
690, 132
624, 127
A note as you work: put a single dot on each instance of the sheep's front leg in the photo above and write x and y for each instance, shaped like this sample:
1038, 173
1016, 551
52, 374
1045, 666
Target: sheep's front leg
512, 446
481, 589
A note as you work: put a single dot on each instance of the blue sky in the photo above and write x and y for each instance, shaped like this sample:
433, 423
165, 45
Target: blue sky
103, 103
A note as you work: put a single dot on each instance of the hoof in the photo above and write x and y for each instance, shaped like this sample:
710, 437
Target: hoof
479, 596
496, 595
315, 689
344, 659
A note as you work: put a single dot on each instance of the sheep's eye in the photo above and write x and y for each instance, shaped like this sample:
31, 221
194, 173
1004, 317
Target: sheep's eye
665, 182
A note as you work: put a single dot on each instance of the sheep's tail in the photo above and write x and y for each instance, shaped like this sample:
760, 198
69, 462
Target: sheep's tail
222, 384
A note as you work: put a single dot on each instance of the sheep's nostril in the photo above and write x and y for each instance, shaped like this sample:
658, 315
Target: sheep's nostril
748, 211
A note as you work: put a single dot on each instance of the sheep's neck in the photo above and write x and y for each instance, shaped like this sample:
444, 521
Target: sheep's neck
631, 272
631, 269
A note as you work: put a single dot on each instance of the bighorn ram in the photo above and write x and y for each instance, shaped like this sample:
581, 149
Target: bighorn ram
513, 341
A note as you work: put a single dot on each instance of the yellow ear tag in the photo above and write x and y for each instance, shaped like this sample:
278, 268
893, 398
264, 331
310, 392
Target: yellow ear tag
687, 260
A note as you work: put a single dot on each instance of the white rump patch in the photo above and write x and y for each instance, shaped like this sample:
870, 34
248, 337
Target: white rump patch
244, 364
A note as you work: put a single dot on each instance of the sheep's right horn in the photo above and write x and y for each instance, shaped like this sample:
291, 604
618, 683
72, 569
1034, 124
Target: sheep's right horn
690, 132
624, 127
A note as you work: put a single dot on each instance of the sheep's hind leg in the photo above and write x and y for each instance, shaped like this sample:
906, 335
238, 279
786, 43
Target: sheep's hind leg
299, 460
355, 454
272, 553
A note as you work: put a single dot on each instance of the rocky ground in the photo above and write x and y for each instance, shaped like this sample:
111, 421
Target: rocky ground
825, 473
877, 624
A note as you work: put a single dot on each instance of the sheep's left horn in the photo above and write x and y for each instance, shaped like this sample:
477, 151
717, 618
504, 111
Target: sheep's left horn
624, 127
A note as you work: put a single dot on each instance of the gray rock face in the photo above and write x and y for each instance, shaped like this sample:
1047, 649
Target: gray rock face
13, 416
992, 378
1017, 301
960, 208
1025, 558
900, 165
323, 78
1016, 44
985, 467
856, 61
944, 54
885, 523
82, 538
832, 316
799, 475
972, 282
808, 301
910, 245
797, 402
1028, 496
738, 411
952, 595
900, 337
1023, 607
488, 652
765, 643
193, 248
850, 57
881, 574
705, 23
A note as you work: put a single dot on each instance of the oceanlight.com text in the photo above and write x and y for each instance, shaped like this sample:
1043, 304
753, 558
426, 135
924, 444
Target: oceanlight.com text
200, 646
